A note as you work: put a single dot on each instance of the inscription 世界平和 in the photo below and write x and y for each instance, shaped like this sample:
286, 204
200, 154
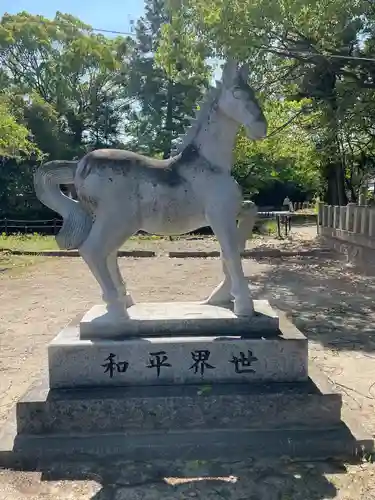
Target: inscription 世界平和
200, 358
112, 366
242, 363
158, 360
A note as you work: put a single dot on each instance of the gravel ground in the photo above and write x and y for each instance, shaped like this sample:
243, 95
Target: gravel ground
327, 300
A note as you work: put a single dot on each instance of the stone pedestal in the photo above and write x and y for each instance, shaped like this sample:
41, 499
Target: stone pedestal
232, 350
177, 318
225, 393
74, 362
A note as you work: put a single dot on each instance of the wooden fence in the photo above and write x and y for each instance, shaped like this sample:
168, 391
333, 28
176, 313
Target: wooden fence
13, 226
347, 221
349, 229
303, 205
52, 226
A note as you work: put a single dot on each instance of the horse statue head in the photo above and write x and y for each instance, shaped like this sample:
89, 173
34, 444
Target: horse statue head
238, 102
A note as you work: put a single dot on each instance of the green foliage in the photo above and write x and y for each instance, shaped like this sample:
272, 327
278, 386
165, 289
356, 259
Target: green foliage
64, 90
70, 76
14, 137
306, 49
167, 75
288, 155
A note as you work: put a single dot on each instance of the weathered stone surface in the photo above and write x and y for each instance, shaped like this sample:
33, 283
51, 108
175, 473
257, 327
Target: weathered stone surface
176, 318
74, 362
76, 423
232, 444
223, 406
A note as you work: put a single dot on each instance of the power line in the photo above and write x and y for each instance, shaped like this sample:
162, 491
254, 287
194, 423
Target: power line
101, 30
129, 33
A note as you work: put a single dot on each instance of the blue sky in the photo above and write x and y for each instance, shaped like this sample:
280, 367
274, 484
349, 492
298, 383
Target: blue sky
107, 14
113, 15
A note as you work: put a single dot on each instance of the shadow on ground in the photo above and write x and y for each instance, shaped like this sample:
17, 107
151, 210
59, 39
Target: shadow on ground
325, 298
119, 480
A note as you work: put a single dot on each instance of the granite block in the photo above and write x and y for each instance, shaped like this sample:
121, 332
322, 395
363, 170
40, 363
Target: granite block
178, 318
189, 407
88, 430
228, 445
74, 362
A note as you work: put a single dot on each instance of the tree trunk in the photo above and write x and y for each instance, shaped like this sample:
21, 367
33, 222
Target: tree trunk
335, 194
340, 182
331, 197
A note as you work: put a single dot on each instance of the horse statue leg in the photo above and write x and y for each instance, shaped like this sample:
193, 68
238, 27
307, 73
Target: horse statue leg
221, 296
225, 228
222, 293
113, 267
99, 251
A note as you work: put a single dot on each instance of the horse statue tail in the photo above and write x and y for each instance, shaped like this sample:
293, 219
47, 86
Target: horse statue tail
77, 222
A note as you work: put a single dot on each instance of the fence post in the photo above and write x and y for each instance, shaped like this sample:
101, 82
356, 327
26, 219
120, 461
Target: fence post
320, 213
343, 218
6, 226
336, 217
350, 209
365, 221
325, 215
371, 222
278, 226
54, 226
330, 216
357, 219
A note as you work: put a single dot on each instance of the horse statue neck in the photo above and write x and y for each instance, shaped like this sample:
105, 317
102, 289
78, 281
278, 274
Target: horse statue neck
215, 139
211, 133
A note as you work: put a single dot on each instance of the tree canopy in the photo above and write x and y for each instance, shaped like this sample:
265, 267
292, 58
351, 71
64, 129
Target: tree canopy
65, 89
314, 49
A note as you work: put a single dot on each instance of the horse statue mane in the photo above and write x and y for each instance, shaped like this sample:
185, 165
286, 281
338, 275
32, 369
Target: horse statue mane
202, 113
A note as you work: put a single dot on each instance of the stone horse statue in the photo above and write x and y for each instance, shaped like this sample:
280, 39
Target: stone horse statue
120, 192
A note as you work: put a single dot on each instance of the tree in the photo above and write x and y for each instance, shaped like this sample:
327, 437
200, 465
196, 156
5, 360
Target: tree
66, 66
65, 89
165, 89
288, 155
14, 137
15, 146
300, 50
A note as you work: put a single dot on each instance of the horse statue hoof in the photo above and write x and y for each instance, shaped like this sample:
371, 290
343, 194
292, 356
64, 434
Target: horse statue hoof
116, 310
244, 310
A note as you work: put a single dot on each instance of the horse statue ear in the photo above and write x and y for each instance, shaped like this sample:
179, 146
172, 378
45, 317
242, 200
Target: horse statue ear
244, 72
229, 72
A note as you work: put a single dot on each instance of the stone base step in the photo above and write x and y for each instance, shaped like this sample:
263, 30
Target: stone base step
220, 406
233, 444
300, 420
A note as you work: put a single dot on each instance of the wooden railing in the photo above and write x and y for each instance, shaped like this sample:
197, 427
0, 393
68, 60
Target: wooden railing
352, 218
52, 226
350, 230
11, 226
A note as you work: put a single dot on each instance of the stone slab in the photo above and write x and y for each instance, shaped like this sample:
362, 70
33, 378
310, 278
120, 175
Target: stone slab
74, 362
84, 428
178, 318
116, 409
229, 444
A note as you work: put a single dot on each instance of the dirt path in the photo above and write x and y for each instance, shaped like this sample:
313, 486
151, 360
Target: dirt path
327, 300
